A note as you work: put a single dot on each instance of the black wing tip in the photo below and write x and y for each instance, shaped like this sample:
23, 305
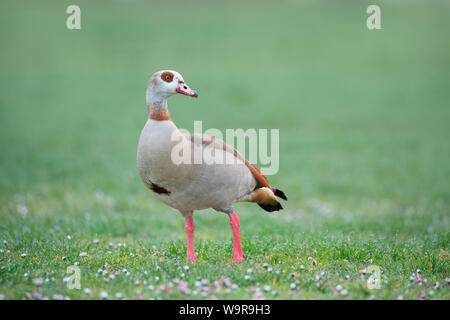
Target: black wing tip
271, 207
280, 194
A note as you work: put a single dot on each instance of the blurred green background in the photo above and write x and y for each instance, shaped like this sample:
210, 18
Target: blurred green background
363, 117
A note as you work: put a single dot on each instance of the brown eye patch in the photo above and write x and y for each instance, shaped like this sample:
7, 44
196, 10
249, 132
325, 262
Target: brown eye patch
167, 76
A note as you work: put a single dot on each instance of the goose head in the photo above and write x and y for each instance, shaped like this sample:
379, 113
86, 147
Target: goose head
166, 83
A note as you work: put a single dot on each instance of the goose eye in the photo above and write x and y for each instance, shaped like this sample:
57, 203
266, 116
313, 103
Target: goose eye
167, 76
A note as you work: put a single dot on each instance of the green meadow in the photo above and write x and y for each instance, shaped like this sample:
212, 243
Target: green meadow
364, 152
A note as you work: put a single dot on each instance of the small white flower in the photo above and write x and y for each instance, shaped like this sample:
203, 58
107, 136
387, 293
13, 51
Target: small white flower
302, 267
293, 286
186, 267
269, 269
2, 296
338, 287
87, 291
182, 275
95, 241
104, 295
347, 277
38, 281
83, 254
344, 292
151, 287
22, 210
25, 274
250, 270
246, 277
118, 295
23, 255
156, 278
266, 288
69, 237
275, 292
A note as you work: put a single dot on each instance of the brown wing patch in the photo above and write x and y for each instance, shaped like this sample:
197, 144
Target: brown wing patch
257, 174
167, 76
203, 139
263, 196
207, 140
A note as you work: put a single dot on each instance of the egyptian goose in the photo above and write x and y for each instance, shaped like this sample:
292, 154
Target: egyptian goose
189, 185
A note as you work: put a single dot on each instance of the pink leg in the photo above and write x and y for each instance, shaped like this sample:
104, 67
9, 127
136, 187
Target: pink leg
190, 239
238, 255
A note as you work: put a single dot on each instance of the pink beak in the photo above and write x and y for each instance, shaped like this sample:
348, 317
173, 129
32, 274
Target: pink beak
183, 88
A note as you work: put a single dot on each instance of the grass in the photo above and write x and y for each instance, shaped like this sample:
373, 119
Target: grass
364, 153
